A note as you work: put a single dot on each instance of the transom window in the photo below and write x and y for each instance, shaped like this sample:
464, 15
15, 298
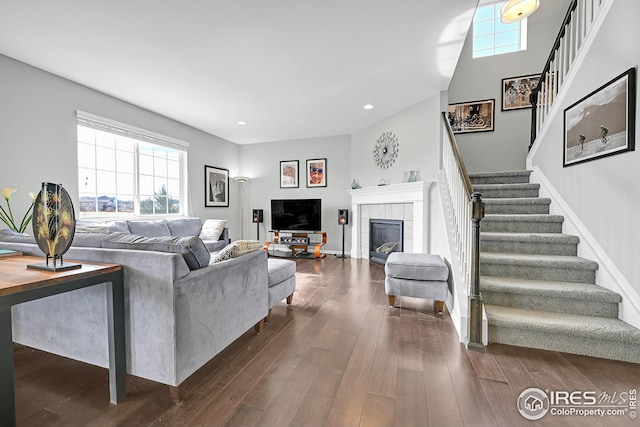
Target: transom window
125, 171
492, 37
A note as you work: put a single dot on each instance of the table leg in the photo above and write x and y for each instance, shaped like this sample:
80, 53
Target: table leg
7, 385
117, 354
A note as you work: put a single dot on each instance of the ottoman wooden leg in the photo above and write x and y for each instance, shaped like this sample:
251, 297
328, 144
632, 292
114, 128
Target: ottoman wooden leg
440, 306
392, 300
290, 299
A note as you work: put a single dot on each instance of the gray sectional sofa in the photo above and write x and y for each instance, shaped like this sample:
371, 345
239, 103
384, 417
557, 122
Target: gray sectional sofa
177, 317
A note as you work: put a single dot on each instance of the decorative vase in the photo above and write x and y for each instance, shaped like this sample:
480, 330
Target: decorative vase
355, 184
412, 176
54, 224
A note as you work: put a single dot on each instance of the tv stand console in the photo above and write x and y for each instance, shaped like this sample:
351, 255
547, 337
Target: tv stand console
298, 243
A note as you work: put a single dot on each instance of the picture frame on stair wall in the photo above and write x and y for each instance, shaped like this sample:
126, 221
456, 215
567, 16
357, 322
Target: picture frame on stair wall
516, 91
602, 123
473, 116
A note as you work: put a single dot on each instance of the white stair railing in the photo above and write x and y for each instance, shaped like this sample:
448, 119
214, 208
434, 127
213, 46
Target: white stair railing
467, 210
578, 24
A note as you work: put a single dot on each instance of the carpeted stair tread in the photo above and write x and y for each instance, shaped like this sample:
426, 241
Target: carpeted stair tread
545, 261
548, 288
523, 218
558, 324
516, 201
549, 238
500, 177
515, 186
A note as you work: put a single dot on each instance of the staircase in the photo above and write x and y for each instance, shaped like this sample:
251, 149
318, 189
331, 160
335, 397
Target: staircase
537, 292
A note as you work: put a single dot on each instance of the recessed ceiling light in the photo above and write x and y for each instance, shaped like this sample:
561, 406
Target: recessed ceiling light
368, 107
242, 122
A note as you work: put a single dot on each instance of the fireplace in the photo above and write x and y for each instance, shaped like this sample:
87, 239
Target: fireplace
385, 236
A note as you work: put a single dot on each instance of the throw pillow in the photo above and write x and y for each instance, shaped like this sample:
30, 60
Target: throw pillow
212, 229
191, 248
237, 248
153, 228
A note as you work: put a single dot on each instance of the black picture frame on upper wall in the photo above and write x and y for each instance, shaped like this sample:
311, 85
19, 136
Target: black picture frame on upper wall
602, 123
516, 91
316, 173
216, 187
473, 116
289, 174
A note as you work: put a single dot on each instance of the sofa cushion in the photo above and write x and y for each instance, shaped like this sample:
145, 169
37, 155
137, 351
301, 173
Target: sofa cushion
212, 229
89, 240
280, 270
191, 248
89, 226
153, 228
184, 226
235, 249
7, 235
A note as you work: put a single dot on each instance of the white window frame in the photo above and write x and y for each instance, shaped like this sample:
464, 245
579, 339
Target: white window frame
522, 27
117, 128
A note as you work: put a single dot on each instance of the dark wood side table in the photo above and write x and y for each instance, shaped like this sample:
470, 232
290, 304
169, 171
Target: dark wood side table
19, 284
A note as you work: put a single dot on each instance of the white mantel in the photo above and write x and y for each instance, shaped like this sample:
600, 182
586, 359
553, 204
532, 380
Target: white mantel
416, 193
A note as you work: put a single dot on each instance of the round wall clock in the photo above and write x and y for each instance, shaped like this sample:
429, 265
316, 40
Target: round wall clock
385, 150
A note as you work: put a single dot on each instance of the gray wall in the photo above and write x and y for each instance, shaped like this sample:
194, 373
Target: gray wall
38, 137
604, 192
505, 148
261, 162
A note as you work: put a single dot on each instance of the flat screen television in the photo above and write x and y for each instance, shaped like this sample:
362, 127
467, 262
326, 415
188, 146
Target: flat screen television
296, 214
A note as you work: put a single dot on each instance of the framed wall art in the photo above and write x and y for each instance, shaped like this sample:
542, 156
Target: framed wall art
317, 173
516, 91
289, 174
602, 123
474, 116
216, 187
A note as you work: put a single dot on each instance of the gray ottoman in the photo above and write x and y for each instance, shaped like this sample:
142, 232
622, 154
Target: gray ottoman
417, 276
282, 281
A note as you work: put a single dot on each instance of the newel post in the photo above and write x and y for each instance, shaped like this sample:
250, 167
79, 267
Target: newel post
475, 299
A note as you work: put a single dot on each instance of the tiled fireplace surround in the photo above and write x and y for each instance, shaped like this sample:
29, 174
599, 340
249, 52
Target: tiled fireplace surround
407, 201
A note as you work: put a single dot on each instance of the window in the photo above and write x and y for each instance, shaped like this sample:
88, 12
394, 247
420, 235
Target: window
492, 37
126, 171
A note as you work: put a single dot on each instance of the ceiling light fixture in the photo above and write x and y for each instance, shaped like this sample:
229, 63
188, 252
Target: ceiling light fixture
241, 178
516, 10
241, 122
368, 107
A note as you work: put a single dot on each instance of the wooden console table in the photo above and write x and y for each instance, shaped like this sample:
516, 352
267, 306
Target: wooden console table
19, 284
297, 241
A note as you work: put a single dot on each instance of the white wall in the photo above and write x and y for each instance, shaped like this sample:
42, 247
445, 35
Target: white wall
261, 162
603, 193
38, 137
505, 148
417, 129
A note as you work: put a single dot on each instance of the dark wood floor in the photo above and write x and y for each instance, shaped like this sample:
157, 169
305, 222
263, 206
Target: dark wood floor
339, 356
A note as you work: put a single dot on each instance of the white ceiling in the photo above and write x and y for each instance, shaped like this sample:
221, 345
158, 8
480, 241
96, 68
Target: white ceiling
291, 69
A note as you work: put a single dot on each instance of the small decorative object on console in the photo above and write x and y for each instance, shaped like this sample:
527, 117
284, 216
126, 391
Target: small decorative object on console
54, 225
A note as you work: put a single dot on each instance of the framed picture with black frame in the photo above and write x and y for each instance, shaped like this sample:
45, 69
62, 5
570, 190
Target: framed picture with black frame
473, 116
516, 91
602, 123
289, 174
216, 187
316, 173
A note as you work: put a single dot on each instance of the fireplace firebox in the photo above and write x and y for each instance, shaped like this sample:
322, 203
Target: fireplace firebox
385, 237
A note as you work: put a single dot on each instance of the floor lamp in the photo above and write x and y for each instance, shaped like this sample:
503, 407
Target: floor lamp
241, 180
